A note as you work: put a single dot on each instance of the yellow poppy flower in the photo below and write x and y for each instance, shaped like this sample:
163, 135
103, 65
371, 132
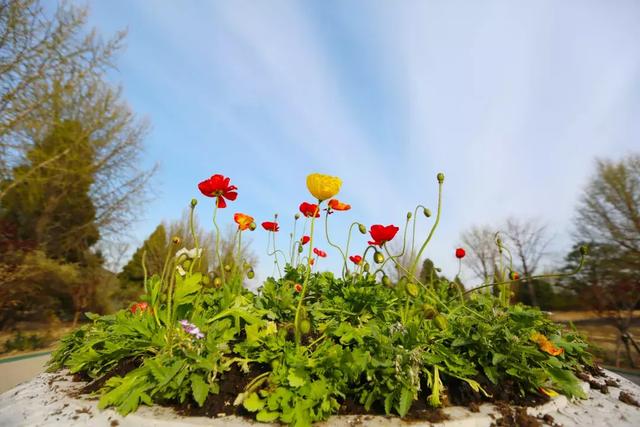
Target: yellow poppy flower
323, 187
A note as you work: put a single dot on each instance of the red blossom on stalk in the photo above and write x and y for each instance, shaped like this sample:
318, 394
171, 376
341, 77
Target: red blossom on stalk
382, 234
309, 209
337, 205
270, 226
356, 259
320, 253
218, 186
460, 253
304, 240
297, 287
141, 306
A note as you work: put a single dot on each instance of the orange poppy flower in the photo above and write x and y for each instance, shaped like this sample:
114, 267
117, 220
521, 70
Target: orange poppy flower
244, 221
546, 345
297, 287
337, 205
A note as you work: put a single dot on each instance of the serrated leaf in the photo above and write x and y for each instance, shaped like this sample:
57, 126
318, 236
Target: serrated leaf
253, 403
295, 380
199, 388
404, 404
265, 416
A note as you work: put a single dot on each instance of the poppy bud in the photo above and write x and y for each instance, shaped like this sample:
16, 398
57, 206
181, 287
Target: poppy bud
362, 228
206, 280
252, 226
408, 216
227, 268
440, 177
297, 216
217, 282
251, 274
426, 212
584, 250
175, 240
297, 287
305, 326
275, 216
386, 281
513, 275
366, 266
300, 249
412, 289
194, 202
429, 311
378, 257
403, 281
438, 269
441, 322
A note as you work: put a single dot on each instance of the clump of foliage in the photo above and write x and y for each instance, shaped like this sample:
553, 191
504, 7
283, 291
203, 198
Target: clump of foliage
308, 341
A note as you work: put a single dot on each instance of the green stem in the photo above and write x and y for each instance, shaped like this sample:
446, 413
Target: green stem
326, 231
220, 263
195, 238
296, 322
433, 229
413, 233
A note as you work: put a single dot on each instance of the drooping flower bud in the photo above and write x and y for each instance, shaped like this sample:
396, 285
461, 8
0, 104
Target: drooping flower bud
175, 240
386, 281
412, 289
297, 216
440, 177
252, 226
186, 264
429, 311
584, 250
408, 216
300, 249
513, 275
362, 228
217, 282
426, 212
206, 280
378, 257
441, 322
227, 268
194, 202
251, 274
366, 266
305, 326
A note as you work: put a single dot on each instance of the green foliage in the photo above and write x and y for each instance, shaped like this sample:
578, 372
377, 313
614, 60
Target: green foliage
22, 342
366, 342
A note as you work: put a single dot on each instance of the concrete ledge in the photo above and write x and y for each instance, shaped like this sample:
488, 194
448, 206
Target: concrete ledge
44, 401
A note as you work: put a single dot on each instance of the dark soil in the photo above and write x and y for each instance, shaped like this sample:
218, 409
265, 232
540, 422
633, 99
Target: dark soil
234, 383
514, 417
122, 368
628, 399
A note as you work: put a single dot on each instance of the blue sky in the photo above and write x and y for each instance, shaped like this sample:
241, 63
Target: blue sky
512, 101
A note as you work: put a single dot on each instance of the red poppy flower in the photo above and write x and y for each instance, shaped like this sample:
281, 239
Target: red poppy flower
244, 221
460, 253
356, 259
142, 306
309, 209
305, 239
270, 226
337, 205
297, 287
218, 186
381, 234
320, 253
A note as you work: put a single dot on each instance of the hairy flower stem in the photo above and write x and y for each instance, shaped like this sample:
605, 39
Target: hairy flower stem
345, 267
433, 229
195, 239
296, 321
394, 258
542, 276
413, 232
220, 263
292, 240
239, 268
326, 231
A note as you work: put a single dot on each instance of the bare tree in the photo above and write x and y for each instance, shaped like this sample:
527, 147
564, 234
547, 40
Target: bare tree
482, 255
529, 240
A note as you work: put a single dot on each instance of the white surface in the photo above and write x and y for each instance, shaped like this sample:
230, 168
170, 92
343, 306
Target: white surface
43, 401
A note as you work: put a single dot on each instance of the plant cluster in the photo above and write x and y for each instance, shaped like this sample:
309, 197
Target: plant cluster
309, 341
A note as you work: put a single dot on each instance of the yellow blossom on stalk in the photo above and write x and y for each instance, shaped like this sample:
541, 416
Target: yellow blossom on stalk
546, 345
323, 187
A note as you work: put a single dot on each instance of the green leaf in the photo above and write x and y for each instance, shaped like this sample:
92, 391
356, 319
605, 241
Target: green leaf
199, 388
265, 416
253, 403
406, 398
295, 380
